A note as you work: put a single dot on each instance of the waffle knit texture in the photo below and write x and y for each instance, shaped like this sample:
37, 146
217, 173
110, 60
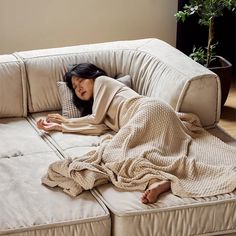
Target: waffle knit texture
152, 141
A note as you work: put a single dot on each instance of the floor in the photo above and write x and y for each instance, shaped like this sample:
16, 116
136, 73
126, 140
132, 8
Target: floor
228, 115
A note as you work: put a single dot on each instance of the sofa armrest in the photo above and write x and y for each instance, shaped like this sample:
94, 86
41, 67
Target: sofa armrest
12, 87
186, 85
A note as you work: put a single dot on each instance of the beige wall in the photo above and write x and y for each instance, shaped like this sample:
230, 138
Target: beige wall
34, 24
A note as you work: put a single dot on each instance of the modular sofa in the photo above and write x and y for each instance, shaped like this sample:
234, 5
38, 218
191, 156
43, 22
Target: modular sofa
28, 91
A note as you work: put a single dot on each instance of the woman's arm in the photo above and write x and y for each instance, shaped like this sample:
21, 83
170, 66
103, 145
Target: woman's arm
84, 125
48, 126
105, 88
81, 125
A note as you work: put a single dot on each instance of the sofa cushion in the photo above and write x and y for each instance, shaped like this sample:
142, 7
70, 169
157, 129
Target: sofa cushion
29, 208
170, 215
16, 134
69, 144
12, 87
126, 80
47, 66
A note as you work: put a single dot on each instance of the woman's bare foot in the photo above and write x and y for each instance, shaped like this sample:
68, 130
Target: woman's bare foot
154, 190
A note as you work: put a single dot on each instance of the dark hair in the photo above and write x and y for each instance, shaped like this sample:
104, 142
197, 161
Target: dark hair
83, 70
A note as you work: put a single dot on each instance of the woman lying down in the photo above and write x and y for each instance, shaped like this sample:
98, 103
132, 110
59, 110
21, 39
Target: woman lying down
154, 149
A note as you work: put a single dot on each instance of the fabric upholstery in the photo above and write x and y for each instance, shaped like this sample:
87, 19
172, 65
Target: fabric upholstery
12, 87
156, 69
28, 85
28, 207
126, 80
170, 215
16, 134
69, 110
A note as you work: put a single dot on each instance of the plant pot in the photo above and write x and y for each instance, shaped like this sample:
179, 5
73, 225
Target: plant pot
223, 69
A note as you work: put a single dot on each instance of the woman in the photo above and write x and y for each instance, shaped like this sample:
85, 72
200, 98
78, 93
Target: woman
153, 148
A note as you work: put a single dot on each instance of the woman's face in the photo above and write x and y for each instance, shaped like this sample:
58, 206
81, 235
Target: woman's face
83, 87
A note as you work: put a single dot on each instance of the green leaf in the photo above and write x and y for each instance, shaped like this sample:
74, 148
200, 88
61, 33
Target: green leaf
207, 10
180, 15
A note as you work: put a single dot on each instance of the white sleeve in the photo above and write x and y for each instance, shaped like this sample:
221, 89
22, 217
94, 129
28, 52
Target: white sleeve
84, 125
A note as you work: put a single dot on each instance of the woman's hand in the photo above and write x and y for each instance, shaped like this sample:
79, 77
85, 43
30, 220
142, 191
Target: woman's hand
56, 118
48, 126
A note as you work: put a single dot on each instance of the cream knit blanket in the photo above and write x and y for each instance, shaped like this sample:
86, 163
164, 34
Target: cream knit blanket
154, 142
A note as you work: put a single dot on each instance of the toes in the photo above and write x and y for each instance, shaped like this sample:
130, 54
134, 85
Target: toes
144, 200
144, 197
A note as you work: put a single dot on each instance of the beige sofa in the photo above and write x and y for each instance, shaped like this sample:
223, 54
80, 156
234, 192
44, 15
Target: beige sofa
28, 91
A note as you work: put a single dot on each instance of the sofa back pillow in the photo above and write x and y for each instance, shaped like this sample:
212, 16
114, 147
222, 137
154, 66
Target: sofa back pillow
156, 68
47, 66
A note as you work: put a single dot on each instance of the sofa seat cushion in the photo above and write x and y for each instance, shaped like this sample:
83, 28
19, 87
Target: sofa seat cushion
170, 215
69, 144
29, 208
19, 138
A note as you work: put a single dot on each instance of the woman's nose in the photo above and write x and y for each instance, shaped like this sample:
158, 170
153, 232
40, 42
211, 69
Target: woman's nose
77, 92
78, 88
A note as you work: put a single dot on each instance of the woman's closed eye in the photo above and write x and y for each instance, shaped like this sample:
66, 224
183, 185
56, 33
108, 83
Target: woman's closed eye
76, 83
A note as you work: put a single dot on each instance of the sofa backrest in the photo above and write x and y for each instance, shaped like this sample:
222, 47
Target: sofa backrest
45, 67
156, 68
12, 87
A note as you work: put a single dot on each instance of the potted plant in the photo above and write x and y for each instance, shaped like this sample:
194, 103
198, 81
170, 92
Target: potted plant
208, 11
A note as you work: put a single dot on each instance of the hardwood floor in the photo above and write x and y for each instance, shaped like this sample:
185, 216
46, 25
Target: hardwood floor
228, 115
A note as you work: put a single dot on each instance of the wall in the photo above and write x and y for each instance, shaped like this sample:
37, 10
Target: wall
34, 24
